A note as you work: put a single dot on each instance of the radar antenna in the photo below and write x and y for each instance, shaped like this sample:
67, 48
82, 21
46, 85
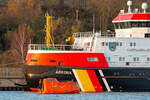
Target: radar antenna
144, 6
129, 3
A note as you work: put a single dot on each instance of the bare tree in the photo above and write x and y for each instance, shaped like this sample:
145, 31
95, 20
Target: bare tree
20, 41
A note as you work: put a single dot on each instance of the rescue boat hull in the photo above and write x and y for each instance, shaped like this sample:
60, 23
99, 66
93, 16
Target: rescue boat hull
53, 86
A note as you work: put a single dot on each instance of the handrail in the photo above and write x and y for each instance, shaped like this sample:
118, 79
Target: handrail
49, 47
91, 34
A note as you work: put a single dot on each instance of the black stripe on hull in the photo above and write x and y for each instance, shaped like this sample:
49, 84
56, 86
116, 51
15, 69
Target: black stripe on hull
100, 80
128, 80
118, 79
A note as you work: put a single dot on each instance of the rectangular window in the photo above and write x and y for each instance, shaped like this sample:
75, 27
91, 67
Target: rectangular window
136, 59
106, 43
108, 59
120, 59
148, 59
52, 61
91, 59
120, 43
131, 44
134, 44
103, 43
117, 44
33, 60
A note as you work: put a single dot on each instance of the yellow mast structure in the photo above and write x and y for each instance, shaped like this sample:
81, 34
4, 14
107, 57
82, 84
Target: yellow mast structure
49, 27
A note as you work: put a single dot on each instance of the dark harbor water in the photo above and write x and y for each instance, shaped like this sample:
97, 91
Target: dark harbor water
13, 95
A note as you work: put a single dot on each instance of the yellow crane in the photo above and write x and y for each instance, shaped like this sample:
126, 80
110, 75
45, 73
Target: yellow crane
49, 30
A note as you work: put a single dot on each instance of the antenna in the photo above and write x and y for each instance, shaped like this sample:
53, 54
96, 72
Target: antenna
144, 6
129, 3
77, 15
93, 23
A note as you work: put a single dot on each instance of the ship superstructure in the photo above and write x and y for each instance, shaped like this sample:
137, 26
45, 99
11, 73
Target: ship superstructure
129, 47
99, 62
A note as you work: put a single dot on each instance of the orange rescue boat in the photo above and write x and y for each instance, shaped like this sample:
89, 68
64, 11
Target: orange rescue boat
53, 86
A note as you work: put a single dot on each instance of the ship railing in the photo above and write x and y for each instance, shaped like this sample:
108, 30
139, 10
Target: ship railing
83, 34
135, 64
56, 47
91, 34
107, 35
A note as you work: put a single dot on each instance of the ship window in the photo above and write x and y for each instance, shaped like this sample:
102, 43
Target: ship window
36, 47
148, 24
51, 80
91, 59
124, 25
127, 25
106, 43
134, 24
117, 44
136, 59
132, 44
143, 24
116, 26
147, 35
32, 60
103, 43
120, 43
140, 24
121, 58
148, 59
32, 47
52, 61
108, 59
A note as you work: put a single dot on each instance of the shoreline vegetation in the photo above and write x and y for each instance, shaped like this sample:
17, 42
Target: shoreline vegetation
23, 22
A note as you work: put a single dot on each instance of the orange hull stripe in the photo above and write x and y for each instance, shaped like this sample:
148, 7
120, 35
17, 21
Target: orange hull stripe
95, 81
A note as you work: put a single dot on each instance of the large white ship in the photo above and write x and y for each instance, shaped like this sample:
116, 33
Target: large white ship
97, 62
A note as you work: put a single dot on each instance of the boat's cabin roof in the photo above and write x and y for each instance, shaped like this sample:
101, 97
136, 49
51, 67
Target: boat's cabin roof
133, 17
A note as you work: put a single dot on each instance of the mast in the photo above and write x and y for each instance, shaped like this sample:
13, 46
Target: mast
49, 27
93, 23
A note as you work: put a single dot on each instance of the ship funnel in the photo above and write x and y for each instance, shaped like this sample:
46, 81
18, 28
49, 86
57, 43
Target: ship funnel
129, 3
144, 6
